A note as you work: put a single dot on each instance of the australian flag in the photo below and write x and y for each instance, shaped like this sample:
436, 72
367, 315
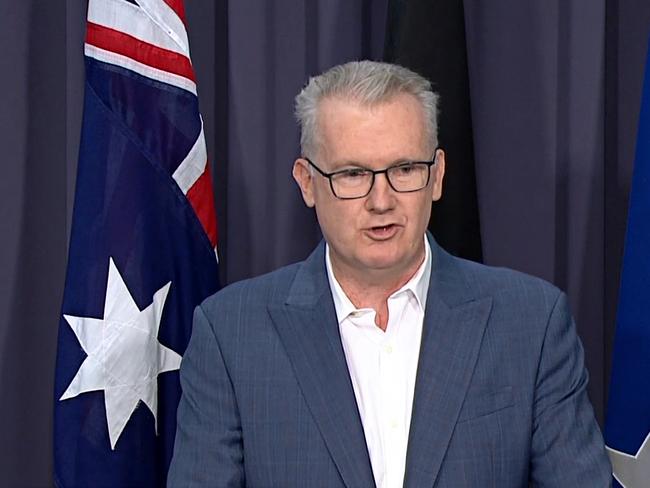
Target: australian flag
627, 428
142, 251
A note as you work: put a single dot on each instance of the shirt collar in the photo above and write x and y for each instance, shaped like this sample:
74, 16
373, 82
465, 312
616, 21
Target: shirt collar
418, 285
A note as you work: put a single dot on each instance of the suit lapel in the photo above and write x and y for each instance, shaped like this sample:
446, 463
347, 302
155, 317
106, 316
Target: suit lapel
308, 328
452, 333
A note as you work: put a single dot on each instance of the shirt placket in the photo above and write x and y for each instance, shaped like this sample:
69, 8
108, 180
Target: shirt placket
393, 389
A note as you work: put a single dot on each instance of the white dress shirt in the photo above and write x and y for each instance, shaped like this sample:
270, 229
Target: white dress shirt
383, 366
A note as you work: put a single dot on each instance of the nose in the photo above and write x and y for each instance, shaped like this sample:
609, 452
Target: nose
382, 196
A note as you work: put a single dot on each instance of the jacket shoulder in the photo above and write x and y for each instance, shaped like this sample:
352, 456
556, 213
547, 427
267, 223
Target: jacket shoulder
260, 290
508, 285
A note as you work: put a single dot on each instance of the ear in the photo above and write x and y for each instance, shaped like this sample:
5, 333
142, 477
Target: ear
438, 175
305, 180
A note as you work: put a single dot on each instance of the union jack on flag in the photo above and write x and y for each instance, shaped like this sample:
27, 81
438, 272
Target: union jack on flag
142, 249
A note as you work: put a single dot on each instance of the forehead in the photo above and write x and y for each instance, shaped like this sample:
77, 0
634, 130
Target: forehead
394, 128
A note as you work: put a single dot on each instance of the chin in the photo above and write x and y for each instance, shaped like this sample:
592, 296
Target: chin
383, 262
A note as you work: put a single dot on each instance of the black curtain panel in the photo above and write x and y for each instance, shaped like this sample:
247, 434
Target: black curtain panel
429, 38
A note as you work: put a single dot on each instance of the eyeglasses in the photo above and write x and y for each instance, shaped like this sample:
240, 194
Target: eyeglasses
406, 177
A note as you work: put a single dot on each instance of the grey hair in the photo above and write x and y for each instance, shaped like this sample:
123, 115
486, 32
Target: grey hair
367, 83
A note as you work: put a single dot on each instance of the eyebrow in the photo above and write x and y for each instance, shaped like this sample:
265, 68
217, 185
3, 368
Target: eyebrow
341, 165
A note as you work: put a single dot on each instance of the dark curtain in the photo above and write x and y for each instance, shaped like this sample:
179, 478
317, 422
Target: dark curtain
441, 56
554, 88
537, 73
33, 231
273, 47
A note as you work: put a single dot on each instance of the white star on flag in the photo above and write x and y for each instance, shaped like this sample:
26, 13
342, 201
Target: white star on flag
632, 471
124, 355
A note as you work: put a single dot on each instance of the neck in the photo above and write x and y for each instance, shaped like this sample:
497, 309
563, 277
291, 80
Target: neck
371, 289
359, 288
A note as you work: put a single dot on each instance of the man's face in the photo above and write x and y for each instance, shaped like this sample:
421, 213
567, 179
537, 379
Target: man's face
380, 235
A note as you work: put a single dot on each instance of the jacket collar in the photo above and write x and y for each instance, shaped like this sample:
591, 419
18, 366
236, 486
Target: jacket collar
455, 319
307, 326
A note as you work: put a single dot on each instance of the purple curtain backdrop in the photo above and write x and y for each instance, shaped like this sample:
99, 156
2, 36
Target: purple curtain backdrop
539, 125
555, 90
273, 47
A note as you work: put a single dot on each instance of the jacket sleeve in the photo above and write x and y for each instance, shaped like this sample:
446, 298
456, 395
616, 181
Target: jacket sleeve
567, 446
208, 447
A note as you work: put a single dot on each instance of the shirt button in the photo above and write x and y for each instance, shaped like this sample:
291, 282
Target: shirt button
388, 349
393, 424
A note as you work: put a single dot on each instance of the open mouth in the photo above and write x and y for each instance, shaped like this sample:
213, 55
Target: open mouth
383, 231
382, 228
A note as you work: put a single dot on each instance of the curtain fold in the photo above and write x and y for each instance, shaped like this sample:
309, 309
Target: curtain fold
273, 47
537, 76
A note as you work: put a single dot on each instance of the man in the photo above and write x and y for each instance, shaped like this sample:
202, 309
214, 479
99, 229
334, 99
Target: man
381, 360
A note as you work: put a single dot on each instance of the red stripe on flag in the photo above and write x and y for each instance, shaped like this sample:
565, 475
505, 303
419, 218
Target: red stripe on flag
201, 198
178, 7
141, 51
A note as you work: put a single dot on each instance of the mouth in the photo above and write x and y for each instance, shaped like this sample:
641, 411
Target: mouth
382, 232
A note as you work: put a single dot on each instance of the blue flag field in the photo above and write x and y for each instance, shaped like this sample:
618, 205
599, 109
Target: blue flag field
627, 428
142, 249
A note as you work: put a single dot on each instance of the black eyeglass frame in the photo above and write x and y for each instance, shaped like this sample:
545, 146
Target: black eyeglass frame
376, 172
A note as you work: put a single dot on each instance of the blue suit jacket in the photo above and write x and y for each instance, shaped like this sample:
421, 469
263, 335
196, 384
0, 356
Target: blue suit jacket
500, 395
